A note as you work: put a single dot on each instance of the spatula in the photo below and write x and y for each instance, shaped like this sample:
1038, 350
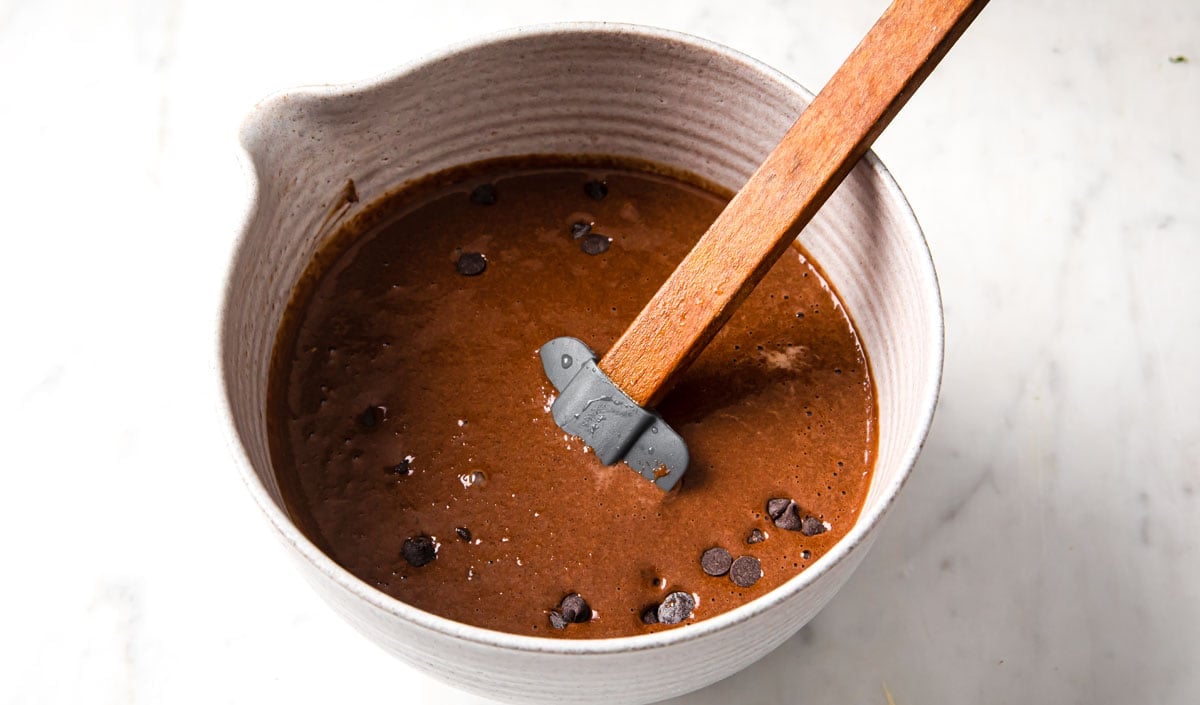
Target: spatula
608, 402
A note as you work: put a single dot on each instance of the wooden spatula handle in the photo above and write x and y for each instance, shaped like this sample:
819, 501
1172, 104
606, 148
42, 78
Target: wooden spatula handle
766, 215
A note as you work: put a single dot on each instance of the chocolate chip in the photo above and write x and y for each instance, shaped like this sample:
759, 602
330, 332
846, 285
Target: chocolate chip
575, 608
372, 416
650, 615
805, 554
777, 506
596, 190
676, 607
784, 513
556, 620
756, 536
581, 229
811, 526
471, 264
419, 550
595, 244
402, 468
463, 533
790, 519
715, 561
484, 195
745, 571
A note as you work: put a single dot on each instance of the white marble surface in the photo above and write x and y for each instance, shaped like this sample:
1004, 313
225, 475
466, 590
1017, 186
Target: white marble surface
1047, 549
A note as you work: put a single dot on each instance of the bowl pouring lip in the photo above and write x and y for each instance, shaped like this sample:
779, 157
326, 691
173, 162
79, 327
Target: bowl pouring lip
290, 534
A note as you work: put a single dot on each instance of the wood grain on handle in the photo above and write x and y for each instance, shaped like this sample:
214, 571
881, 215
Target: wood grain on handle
767, 214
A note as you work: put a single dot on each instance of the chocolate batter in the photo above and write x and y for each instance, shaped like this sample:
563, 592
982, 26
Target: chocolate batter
411, 425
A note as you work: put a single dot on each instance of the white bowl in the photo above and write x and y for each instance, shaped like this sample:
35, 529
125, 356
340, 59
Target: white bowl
571, 89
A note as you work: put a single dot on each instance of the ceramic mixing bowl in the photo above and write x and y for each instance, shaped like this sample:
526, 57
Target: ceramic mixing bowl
570, 89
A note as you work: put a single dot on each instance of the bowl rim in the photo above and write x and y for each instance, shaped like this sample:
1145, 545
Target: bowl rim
288, 532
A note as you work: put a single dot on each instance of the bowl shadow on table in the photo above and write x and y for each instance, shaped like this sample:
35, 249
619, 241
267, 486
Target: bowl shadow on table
972, 593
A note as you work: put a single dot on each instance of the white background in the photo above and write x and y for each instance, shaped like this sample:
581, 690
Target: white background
1046, 550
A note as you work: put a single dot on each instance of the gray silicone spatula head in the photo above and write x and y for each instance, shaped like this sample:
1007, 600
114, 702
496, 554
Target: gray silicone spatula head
614, 426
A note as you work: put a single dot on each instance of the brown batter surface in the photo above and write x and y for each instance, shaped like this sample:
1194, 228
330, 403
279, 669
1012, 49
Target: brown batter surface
407, 400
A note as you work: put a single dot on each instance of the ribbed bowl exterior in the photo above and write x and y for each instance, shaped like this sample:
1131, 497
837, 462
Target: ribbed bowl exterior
571, 89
